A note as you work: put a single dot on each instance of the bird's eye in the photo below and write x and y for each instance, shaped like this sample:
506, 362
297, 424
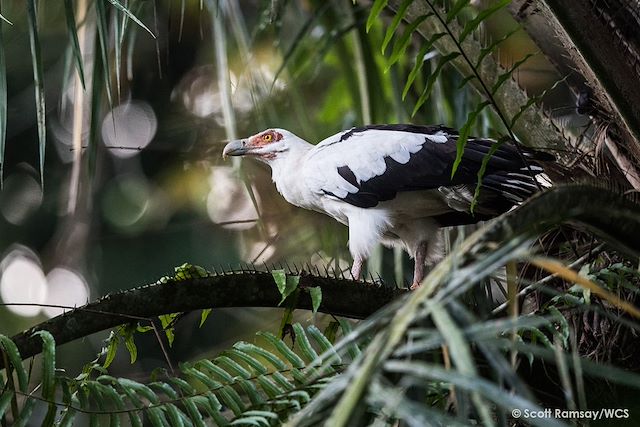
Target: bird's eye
267, 138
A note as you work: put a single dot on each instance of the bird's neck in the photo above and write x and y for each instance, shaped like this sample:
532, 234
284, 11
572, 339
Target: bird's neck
286, 170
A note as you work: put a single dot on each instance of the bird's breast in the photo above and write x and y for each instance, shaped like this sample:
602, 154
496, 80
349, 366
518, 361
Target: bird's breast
296, 194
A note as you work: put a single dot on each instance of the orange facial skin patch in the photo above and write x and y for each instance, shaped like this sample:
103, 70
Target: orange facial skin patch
265, 138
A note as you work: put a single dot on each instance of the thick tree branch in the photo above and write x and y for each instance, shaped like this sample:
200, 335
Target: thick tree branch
340, 297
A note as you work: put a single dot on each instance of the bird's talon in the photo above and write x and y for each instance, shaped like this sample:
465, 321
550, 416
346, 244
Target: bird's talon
415, 286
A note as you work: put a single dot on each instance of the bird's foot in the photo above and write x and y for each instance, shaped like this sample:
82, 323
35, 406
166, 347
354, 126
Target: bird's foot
415, 286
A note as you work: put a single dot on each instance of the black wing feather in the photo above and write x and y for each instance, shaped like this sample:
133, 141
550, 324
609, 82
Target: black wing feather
509, 174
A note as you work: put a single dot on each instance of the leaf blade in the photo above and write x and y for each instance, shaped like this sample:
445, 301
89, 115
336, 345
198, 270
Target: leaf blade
376, 8
394, 24
401, 44
38, 79
3, 106
432, 80
75, 44
464, 135
483, 15
316, 298
130, 14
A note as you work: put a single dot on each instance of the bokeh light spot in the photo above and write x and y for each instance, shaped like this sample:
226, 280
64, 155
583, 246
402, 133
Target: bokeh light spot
125, 202
22, 282
228, 202
65, 287
128, 128
20, 197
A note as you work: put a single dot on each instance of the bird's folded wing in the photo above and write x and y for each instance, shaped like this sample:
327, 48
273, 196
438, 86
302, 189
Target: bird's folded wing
364, 166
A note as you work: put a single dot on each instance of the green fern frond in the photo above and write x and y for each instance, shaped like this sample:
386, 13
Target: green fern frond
507, 74
493, 46
255, 384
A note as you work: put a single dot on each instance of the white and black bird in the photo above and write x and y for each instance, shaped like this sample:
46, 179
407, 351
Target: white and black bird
393, 184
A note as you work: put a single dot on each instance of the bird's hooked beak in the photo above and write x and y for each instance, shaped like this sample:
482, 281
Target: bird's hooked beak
239, 147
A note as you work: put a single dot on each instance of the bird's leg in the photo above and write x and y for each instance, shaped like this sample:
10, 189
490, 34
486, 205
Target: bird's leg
418, 270
356, 268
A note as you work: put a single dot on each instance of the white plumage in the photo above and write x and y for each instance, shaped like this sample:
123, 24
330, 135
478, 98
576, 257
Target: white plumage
392, 183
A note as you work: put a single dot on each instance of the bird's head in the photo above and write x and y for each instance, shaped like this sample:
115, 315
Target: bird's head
266, 146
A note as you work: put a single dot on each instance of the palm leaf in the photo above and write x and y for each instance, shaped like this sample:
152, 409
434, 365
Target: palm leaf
397, 18
507, 74
419, 63
103, 38
97, 84
38, 79
3, 106
129, 14
401, 44
431, 81
481, 17
376, 8
73, 33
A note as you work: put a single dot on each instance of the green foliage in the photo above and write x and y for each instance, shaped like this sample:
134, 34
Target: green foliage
260, 384
442, 61
316, 297
131, 16
124, 333
456, 21
404, 362
428, 342
38, 78
3, 104
73, 34
168, 321
397, 18
419, 62
101, 72
376, 8
204, 315
286, 284
473, 24
402, 43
